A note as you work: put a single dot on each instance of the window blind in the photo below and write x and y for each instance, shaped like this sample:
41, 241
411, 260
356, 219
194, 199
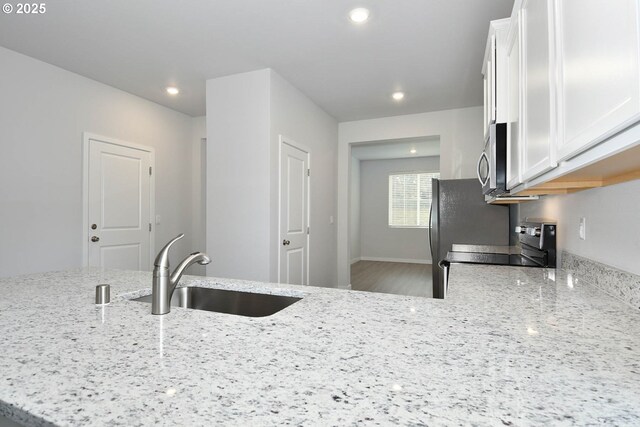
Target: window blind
410, 199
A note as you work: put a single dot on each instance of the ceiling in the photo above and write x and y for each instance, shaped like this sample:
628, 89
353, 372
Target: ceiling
431, 49
397, 149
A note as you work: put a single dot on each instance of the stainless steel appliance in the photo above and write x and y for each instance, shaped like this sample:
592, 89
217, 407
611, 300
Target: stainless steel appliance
536, 248
538, 241
492, 164
459, 214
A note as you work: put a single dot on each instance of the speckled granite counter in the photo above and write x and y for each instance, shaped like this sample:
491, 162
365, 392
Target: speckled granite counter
511, 346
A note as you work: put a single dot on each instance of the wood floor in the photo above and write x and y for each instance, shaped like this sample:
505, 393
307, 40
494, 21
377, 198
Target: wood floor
392, 278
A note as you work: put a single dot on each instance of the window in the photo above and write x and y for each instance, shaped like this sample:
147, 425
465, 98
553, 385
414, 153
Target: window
410, 199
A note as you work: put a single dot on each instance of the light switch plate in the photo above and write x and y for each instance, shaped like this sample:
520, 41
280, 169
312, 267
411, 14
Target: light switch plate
583, 228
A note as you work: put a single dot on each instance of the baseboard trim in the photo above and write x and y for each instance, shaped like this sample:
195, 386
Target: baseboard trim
405, 260
354, 260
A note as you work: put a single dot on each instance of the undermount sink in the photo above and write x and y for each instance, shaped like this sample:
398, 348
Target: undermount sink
230, 302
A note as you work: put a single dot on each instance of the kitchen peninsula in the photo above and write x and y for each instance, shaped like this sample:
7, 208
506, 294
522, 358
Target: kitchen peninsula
509, 346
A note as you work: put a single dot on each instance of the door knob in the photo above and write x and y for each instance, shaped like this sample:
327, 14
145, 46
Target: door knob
286, 242
95, 239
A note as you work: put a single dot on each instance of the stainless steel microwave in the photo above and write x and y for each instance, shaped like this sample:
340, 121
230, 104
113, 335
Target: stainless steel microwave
492, 164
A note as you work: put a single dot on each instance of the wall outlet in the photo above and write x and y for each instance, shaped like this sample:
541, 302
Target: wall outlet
583, 228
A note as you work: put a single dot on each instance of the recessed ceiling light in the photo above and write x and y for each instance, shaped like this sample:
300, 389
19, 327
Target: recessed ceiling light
398, 96
413, 151
173, 90
359, 15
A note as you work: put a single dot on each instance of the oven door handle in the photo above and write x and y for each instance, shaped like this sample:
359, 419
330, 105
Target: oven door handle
430, 228
444, 265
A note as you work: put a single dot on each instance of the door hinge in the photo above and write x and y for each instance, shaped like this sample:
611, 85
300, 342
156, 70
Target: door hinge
150, 169
308, 172
307, 230
149, 226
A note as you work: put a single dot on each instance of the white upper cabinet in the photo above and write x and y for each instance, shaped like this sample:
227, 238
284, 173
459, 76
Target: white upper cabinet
538, 133
488, 77
513, 70
493, 74
598, 72
566, 80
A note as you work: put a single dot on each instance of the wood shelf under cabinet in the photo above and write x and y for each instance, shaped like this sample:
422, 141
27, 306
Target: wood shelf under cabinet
621, 167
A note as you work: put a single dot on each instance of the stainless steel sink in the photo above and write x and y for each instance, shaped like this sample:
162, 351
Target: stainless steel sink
231, 302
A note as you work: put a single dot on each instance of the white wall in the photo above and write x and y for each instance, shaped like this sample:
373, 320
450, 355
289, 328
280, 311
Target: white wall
238, 176
246, 114
354, 211
43, 112
613, 235
379, 242
296, 117
198, 190
460, 133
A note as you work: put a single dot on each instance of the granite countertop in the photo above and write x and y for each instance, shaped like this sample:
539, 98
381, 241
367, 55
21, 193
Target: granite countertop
511, 346
490, 249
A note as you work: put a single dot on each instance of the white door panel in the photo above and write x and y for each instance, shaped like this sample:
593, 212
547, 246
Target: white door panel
119, 206
121, 188
124, 257
295, 266
294, 215
598, 71
538, 145
513, 104
296, 170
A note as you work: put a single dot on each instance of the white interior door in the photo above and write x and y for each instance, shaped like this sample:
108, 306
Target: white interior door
119, 206
294, 215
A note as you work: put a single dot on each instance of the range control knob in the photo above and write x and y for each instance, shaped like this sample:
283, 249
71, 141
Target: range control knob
521, 229
534, 231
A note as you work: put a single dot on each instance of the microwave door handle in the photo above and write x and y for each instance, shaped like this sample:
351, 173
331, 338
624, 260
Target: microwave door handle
482, 182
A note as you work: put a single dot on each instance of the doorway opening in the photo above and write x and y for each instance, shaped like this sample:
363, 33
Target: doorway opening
389, 207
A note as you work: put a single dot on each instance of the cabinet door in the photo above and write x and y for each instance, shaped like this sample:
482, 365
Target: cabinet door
501, 28
598, 71
487, 112
489, 77
538, 137
491, 68
513, 103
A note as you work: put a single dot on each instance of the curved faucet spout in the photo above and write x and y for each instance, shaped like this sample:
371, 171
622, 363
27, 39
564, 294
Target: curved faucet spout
196, 257
164, 282
162, 260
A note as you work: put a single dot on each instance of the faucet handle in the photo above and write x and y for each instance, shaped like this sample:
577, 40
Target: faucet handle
162, 260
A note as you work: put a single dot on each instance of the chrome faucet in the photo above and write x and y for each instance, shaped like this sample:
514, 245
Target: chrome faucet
164, 282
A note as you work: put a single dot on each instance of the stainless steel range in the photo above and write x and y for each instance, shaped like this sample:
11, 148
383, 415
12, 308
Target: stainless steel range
536, 248
538, 242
